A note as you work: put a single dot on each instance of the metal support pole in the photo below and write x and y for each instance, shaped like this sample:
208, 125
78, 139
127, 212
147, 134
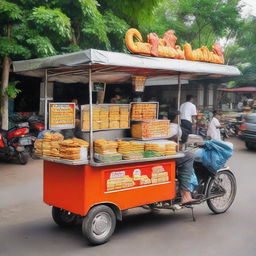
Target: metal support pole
178, 107
91, 117
45, 98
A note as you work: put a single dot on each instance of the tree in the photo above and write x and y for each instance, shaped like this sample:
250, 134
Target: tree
241, 51
25, 34
199, 22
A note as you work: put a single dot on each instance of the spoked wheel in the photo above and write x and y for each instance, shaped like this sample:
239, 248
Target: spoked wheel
62, 217
224, 185
99, 224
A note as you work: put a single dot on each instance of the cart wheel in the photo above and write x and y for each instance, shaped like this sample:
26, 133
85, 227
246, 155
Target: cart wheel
62, 217
99, 224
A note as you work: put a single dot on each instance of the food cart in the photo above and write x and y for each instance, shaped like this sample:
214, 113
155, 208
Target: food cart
83, 188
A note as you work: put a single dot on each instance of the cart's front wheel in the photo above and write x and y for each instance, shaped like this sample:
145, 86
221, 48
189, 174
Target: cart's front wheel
99, 224
62, 217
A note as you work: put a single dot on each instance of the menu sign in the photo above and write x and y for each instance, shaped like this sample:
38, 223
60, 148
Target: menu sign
61, 116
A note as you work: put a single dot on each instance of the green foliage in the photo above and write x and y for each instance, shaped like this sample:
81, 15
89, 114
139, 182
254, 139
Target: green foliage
11, 91
135, 12
70, 48
52, 21
241, 51
200, 22
9, 12
10, 47
41, 46
116, 29
93, 24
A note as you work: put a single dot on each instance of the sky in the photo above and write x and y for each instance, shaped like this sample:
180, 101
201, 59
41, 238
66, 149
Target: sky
249, 8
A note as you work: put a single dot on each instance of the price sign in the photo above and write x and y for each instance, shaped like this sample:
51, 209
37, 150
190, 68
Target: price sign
61, 116
118, 174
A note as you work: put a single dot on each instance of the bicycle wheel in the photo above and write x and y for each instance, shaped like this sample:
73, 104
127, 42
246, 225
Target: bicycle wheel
224, 184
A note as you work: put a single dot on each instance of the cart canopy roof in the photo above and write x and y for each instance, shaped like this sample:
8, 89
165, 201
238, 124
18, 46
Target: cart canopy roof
115, 67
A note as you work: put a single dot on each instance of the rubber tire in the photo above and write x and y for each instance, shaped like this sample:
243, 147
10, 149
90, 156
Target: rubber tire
249, 145
23, 158
87, 224
58, 219
233, 187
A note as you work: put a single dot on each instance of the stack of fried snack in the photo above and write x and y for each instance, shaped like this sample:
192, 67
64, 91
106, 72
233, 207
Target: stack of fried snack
141, 179
38, 146
159, 174
131, 149
70, 149
106, 151
170, 148
144, 111
163, 147
155, 146
114, 117
151, 129
125, 147
86, 117
105, 147
124, 116
120, 183
50, 144
106, 117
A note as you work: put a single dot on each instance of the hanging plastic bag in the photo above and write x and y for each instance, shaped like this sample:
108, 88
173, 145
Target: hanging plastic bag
216, 153
193, 182
199, 155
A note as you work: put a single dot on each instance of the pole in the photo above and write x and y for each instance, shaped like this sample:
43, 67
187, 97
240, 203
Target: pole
45, 98
178, 107
91, 117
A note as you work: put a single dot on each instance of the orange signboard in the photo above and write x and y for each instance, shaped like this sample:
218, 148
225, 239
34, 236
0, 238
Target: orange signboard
61, 116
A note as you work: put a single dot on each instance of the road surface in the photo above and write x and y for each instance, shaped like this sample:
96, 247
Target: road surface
26, 227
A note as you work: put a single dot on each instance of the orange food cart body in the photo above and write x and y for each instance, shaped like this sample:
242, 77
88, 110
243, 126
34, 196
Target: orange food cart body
76, 188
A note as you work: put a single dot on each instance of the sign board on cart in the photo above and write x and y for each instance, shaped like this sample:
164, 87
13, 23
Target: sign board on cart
61, 116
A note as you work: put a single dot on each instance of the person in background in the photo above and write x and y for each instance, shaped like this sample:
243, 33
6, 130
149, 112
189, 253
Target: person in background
185, 169
76, 104
213, 131
188, 114
116, 99
245, 101
254, 102
77, 111
164, 117
175, 129
240, 105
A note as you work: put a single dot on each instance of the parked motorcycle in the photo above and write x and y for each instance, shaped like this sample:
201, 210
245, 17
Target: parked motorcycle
15, 143
36, 125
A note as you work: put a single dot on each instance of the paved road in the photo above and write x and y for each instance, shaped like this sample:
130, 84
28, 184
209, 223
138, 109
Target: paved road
26, 227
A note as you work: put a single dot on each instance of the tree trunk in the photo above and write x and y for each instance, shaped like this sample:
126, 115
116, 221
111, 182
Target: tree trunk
4, 97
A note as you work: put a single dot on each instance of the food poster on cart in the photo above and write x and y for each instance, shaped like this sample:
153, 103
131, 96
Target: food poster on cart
137, 176
61, 116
